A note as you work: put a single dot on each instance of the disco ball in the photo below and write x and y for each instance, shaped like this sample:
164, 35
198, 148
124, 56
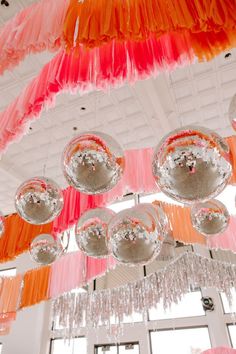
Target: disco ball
135, 235
93, 163
232, 112
39, 200
2, 224
45, 249
192, 164
210, 218
91, 232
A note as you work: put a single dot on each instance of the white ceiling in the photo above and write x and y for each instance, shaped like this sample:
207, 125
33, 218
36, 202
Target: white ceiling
137, 115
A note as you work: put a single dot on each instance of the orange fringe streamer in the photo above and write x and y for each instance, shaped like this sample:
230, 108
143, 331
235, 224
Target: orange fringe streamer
10, 285
36, 285
210, 25
18, 236
180, 221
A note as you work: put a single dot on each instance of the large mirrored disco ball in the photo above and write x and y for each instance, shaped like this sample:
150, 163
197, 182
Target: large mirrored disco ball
192, 164
93, 163
92, 232
45, 249
2, 224
210, 218
39, 200
135, 235
232, 112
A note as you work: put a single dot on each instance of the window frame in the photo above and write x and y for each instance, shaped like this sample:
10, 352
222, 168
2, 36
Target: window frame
114, 345
176, 329
139, 332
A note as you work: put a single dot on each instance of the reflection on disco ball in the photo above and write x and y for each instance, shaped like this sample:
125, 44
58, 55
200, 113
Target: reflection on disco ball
45, 249
2, 224
91, 232
136, 235
39, 200
168, 249
93, 163
210, 218
232, 112
192, 164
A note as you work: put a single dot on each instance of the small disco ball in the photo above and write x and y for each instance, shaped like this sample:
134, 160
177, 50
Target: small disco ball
210, 218
93, 163
92, 232
232, 112
39, 200
135, 235
192, 164
45, 249
2, 224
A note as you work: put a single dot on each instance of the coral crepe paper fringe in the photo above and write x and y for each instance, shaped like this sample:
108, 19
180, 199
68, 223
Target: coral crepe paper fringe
86, 70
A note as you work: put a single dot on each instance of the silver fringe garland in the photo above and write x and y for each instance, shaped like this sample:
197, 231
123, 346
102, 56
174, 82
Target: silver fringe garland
72, 311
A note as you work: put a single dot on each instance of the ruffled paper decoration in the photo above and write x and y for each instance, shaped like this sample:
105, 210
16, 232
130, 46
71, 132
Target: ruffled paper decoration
86, 70
210, 24
76, 270
69, 272
33, 30
36, 286
207, 25
18, 236
10, 292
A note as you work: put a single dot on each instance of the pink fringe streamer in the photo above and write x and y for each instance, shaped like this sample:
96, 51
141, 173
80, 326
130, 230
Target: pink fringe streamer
75, 270
32, 30
86, 70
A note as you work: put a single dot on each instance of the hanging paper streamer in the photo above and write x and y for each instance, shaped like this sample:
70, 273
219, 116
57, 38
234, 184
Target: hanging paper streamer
76, 270
33, 30
210, 24
10, 285
36, 285
208, 27
86, 70
72, 310
18, 236
10, 291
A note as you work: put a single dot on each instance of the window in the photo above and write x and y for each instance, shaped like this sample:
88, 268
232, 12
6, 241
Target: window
127, 348
73, 346
226, 307
180, 341
190, 306
124, 204
232, 334
10, 272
